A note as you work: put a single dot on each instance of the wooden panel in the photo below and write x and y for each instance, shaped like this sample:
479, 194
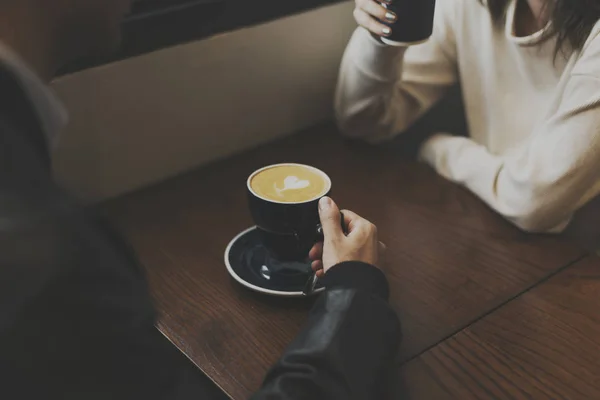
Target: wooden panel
543, 345
451, 259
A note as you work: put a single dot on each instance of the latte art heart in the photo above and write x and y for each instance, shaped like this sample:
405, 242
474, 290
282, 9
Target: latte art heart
290, 183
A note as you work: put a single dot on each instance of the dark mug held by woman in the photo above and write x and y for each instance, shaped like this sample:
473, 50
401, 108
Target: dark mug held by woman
413, 21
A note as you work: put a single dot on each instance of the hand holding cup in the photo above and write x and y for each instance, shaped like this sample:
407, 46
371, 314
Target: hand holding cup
359, 243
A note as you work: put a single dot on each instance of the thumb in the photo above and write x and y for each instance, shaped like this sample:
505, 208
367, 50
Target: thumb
330, 218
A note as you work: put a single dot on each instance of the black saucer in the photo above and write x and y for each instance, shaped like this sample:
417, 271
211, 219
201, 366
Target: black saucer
250, 263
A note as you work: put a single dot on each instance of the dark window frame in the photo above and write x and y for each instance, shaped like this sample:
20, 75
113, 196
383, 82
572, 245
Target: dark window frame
158, 24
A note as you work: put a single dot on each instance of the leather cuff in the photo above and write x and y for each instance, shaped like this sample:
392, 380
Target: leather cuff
357, 275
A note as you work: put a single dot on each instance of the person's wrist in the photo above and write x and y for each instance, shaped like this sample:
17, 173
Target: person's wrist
357, 275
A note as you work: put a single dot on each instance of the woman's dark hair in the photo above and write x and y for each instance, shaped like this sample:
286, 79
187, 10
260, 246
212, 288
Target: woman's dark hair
572, 20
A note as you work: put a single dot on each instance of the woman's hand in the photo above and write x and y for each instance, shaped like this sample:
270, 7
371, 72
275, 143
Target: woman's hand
370, 13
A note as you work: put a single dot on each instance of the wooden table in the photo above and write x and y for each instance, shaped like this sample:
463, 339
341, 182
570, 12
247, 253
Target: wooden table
452, 261
543, 345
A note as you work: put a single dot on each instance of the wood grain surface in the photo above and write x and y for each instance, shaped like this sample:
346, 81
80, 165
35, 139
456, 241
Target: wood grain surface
545, 345
450, 259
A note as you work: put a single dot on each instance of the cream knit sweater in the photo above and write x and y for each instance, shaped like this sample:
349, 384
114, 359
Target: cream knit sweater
534, 121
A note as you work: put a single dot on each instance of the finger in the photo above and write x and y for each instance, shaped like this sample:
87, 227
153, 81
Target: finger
353, 221
316, 265
316, 253
320, 273
378, 11
361, 3
330, 219
371, 24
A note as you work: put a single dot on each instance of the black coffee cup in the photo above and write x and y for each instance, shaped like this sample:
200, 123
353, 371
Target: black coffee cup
288, 229
414, 23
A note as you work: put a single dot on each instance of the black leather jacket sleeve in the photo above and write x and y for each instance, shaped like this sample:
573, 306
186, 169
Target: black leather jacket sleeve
347, 346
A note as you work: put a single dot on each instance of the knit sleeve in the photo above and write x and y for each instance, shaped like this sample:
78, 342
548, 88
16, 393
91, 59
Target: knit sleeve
540, 185
382, 90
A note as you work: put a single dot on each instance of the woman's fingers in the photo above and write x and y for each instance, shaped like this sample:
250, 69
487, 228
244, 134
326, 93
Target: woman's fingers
378, 11
370, 23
